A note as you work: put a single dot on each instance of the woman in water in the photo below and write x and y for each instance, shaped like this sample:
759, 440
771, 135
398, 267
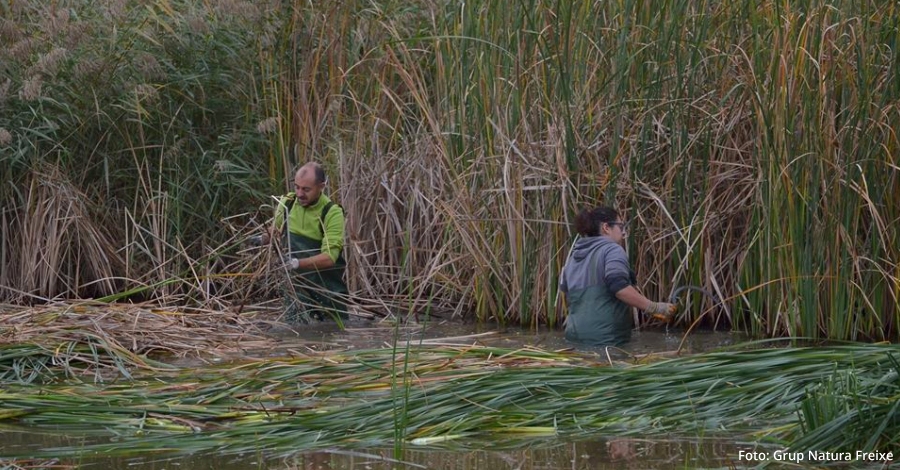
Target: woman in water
599, 283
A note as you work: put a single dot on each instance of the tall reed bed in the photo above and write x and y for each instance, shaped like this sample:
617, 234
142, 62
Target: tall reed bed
131, 133
752, 144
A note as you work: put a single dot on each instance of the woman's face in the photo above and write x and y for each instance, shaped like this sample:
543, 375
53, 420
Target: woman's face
614, 230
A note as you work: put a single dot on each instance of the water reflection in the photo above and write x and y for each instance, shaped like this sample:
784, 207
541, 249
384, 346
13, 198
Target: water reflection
366, 335
612, 453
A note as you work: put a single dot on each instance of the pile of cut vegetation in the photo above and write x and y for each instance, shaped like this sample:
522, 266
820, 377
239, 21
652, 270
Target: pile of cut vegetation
98, 339
843, 398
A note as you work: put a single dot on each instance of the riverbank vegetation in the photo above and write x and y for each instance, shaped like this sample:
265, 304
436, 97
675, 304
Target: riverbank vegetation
752, 145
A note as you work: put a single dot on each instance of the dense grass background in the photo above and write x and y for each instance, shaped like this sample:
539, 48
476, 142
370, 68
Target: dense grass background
752, 144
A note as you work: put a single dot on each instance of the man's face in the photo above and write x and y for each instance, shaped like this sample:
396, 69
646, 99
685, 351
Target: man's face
308, 191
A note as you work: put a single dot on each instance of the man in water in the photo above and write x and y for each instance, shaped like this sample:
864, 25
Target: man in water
315, 238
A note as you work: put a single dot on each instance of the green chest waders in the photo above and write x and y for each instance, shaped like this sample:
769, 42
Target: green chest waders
596, 316
318, 294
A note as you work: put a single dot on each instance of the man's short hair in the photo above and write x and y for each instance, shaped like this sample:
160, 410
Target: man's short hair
318, 170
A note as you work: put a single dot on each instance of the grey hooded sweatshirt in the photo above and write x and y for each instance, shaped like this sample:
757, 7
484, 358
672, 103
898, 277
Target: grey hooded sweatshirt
595, 271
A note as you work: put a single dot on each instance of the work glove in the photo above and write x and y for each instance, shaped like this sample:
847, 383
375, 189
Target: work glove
290, 262
663, 311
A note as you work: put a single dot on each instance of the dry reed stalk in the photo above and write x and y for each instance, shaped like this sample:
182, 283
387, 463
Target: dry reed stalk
62, 247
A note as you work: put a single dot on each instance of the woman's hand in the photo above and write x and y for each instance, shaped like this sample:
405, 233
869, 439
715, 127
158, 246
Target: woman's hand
662, 310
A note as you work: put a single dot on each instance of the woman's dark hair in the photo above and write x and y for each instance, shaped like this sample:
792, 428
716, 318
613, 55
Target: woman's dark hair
587, 222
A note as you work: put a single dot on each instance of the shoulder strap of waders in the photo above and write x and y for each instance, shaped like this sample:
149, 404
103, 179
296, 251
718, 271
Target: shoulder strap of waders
288, 201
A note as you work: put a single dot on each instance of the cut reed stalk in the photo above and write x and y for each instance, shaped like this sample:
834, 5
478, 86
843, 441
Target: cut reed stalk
793, 398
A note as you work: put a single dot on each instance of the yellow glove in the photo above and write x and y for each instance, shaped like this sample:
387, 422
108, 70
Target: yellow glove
663, 311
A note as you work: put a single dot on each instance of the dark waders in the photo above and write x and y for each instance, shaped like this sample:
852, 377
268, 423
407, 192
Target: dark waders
317, 294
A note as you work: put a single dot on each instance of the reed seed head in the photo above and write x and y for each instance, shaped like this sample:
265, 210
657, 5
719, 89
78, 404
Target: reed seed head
31, 89
5, 137
9, 32
48, 64
269, 125
4, 90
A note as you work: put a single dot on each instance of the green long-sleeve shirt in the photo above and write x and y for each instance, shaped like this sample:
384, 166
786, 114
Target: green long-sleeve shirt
305, 221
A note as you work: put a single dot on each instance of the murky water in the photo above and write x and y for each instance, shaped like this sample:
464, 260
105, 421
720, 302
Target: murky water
613, 453
363, 335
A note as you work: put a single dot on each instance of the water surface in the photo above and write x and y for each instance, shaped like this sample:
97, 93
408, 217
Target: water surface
543, 453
